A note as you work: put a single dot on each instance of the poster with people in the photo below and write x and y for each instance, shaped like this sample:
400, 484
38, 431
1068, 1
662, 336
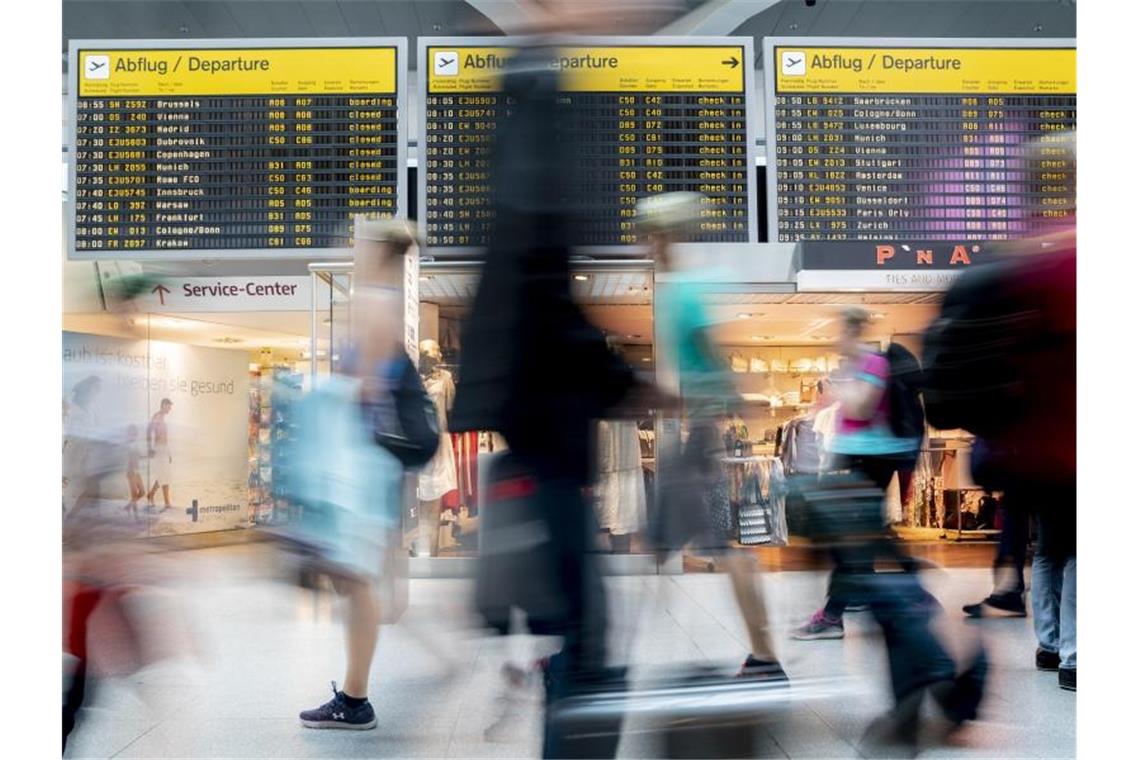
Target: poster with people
162, 426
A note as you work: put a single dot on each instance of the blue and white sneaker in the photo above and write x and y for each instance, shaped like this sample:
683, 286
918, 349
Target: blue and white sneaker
337, 713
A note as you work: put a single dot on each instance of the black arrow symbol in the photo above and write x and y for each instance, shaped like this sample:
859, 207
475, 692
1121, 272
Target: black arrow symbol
731, 62
162, 290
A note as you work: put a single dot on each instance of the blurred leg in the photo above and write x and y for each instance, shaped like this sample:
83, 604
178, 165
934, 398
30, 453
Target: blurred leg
750, 600
362, 630
1046, 598
1068, 609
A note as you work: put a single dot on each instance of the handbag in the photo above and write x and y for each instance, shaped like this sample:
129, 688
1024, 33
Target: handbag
517, 563
417, 439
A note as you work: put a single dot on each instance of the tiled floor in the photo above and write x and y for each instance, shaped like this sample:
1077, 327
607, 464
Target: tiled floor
265, 651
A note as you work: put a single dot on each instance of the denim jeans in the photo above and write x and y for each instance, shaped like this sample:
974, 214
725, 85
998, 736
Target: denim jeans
1054, 598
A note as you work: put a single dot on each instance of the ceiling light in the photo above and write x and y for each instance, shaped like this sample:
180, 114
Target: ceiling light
878, 315
581, 277
634, 337
227, 339
425, 278
743, 315
756, 337
646, 359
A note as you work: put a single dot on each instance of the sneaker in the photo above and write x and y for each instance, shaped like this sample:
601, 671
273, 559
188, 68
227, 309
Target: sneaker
762, 670
1047, 660
337, 713
820, 626
1067, 678
1010, 605
960, 698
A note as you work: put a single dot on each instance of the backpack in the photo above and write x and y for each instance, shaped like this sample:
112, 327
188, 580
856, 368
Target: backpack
905, 389
969, 352
417, 439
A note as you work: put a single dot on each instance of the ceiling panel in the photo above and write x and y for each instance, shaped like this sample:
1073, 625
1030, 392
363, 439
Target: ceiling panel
363, 18
832, 18
326, 19
914, 18
208, 19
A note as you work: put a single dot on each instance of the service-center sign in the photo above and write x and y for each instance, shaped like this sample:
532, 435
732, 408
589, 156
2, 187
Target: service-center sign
227, 294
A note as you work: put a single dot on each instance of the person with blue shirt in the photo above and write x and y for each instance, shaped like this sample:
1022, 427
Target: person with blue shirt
696, 511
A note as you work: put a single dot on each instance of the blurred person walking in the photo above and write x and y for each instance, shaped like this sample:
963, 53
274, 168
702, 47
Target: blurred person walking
1001, 363
846, 514
104, 571
695, 503
865, 439
347, 483
538, 372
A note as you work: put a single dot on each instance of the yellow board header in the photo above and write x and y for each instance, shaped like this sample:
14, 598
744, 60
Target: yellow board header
646, 68
1037, 71
264, 71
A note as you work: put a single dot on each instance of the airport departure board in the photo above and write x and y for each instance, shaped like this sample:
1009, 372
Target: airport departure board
884, 142
216, 150
646, 118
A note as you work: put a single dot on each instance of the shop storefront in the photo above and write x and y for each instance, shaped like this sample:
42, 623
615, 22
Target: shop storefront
189, 391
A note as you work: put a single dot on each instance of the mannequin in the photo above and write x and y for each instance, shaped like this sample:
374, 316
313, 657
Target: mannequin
438, 476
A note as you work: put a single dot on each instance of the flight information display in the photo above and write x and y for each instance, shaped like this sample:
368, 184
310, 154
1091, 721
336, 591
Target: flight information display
874, 142
224, 151
645, 118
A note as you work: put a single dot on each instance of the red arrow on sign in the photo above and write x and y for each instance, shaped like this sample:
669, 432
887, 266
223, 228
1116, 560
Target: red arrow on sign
162, 290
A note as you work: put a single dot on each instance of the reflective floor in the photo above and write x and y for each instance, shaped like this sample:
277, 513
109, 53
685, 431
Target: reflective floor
263, 651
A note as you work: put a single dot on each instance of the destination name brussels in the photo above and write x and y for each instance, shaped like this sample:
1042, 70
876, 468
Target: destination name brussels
193, 63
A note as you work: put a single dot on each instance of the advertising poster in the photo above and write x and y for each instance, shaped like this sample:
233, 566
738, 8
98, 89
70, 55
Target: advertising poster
177, 414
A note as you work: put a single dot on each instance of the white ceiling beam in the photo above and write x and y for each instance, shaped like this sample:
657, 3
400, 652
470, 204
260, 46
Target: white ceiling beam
717, 17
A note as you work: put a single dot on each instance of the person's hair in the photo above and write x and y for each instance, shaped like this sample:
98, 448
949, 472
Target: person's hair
855, 318
398, 232
166, 401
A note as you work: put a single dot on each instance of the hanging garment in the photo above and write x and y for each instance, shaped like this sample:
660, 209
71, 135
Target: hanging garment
439, 476
620, 486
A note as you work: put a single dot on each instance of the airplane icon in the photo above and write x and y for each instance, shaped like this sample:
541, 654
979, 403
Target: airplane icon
446, 63
793, 63
98, 67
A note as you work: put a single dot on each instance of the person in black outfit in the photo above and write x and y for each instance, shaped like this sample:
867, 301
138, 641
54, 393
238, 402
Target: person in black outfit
536, 370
